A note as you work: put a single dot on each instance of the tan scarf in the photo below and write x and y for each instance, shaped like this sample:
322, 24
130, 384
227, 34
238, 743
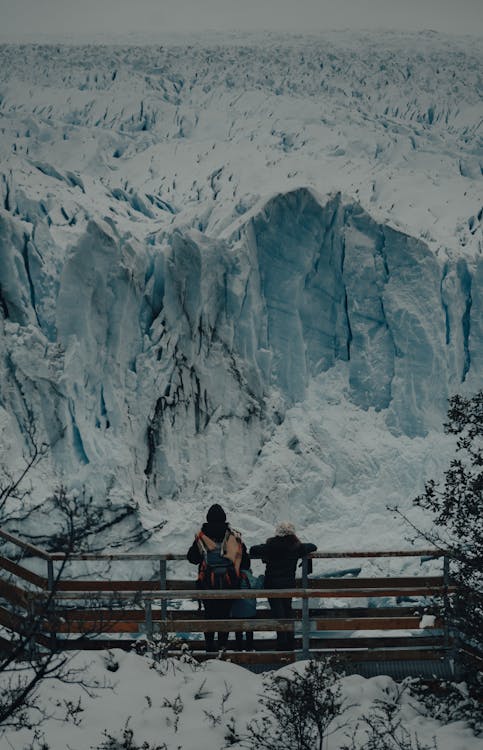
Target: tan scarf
231, 546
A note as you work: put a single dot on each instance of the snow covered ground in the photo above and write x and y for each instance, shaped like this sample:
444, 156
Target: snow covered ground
191, 708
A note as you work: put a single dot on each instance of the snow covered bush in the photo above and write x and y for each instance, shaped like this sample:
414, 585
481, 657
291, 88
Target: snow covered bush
452, 702
383, 727
297, 709
157, 649
28, 656
127, 741
457, 507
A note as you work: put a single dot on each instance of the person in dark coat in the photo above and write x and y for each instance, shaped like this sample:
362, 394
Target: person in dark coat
280, 553
217, 531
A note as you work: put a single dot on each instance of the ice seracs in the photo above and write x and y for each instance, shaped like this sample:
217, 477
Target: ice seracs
209, 252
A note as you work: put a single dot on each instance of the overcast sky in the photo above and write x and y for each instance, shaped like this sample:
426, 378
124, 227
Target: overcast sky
87, 17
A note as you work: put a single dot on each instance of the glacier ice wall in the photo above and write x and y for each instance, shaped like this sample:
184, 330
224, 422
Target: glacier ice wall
150, 369
336, 285
250, 273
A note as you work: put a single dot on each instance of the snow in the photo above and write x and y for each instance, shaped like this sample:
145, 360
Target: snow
245, 270
427, 621
172, 704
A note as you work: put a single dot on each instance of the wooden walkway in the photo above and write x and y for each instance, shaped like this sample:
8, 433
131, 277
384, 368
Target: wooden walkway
410, 627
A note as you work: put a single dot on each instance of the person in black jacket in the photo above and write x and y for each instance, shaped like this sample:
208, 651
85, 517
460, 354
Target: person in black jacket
217, 536
280, 553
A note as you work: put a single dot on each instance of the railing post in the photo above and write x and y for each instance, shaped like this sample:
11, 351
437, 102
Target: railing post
305, 612
446, 600
449, 650
51, 608
50, 575
148, 618
32, 647
163, 586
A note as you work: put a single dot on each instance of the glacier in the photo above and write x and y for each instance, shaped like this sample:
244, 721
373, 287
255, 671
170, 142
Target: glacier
246, 272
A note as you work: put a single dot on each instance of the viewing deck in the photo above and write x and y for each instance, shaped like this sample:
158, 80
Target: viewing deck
390, 625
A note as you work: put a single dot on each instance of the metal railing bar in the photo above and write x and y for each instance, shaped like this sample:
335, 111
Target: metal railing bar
174, 556
38, 552
379, 553
21, 572
35, 551
253, 593
118, 556
136, 614
414, 582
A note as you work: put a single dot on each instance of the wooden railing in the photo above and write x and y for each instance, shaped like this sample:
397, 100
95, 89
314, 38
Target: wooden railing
114, 613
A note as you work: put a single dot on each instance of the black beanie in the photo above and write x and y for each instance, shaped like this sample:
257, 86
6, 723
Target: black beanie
216, 514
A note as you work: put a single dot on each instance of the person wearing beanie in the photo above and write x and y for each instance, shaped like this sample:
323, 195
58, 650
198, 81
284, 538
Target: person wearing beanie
280, 553
220, 554
216, 514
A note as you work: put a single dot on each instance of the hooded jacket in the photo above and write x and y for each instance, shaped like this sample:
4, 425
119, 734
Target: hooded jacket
280, 553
